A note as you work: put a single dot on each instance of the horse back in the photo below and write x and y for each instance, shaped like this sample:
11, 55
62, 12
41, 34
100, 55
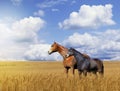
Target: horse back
86, 56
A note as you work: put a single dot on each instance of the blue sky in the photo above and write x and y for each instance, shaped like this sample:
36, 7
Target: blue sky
29, 27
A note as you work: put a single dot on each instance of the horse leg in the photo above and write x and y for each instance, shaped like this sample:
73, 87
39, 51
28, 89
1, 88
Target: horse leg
95, 73
85, 73
66, 71
73, 71
101, 71
79, 72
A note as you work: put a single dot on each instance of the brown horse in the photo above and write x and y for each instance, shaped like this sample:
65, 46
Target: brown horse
68, 62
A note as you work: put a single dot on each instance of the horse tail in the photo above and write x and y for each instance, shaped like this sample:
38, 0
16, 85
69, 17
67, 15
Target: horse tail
102, 68
101, 65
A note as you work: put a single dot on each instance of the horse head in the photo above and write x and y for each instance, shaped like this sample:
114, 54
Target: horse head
54, 48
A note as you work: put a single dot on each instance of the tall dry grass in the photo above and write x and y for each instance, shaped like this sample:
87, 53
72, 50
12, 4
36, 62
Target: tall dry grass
50, 76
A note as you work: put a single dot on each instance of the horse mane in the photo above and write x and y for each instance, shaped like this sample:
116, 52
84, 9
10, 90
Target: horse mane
76, 51
62, 50
62, 47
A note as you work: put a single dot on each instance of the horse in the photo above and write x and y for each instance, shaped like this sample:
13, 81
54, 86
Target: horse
84, 64
68, 62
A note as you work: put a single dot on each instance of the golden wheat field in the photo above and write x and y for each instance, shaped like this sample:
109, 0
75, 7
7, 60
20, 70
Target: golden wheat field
50, 76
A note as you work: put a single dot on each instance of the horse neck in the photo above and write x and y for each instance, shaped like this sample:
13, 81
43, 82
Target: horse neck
62, 50
78, 54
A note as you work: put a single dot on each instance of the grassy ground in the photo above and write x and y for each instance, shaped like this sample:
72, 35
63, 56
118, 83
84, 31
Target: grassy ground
50, 76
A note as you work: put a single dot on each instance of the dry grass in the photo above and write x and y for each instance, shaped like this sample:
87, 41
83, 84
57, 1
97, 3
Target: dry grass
50, 76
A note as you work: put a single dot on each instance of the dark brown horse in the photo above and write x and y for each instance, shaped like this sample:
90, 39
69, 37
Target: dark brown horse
85, 65
68, 62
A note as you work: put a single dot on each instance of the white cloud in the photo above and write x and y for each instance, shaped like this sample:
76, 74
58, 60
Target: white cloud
40, 52
89, 17
19, 41
15, 38
8, 48
105, 45
85, 39
39, 13
26, 29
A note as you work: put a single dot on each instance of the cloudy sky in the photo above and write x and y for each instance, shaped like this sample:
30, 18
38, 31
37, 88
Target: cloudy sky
29, 27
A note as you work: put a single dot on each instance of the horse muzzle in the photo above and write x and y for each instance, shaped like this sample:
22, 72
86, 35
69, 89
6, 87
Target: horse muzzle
49, 52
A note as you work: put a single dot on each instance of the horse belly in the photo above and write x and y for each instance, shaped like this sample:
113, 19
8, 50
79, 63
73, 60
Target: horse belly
83, 65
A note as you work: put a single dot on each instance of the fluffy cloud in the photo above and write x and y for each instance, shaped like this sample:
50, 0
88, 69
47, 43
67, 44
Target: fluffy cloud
15, 38
84, 40
105, 45
89, 17
40, 52
19, 40
26, 29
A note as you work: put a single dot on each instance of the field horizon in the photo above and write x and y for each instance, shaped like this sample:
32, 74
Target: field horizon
50, 76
